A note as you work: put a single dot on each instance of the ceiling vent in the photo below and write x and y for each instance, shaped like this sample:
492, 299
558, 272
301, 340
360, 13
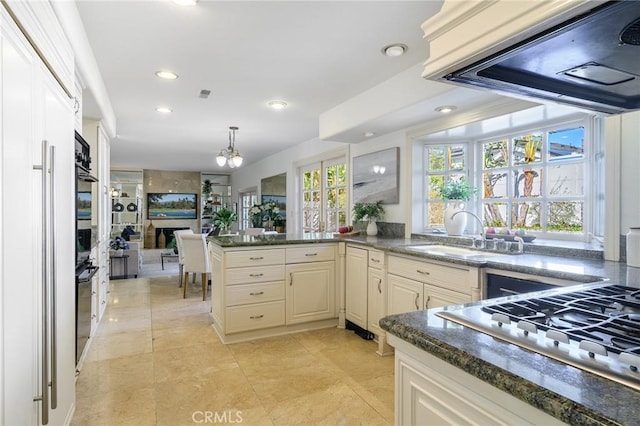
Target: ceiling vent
204, 94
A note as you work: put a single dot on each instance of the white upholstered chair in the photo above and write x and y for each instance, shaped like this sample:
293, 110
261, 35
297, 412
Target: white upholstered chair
178, 235
196, 260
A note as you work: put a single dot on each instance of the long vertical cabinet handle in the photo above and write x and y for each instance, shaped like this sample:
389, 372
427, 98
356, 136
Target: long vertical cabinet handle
290, 279
415, 302
44, 378
54, 279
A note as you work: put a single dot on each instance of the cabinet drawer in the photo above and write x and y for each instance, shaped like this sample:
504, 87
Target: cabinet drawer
254, 293
451, 277
242, 259
253, 317
376, 259
313, 253
254, 275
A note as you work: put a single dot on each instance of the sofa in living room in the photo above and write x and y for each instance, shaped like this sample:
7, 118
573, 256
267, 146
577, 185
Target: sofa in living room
133, 263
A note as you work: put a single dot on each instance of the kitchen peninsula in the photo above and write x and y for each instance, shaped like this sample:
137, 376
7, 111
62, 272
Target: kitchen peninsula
553, 390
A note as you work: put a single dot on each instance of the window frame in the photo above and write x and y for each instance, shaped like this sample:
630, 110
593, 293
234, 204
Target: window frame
247, 199
468, 160
593, 173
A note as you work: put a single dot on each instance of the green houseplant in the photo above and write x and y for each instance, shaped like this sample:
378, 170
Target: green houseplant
456, 192
224, 219
370, 212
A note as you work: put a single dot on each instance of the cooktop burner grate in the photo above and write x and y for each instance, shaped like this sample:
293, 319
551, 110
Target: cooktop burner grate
594, 329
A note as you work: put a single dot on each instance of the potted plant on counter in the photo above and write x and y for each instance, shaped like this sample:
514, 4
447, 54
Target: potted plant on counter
224, 219
456, 193
369, 211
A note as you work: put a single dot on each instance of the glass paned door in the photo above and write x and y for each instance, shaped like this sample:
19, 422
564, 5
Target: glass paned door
324, 196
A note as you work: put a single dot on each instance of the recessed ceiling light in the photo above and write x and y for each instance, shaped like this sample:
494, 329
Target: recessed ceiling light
368, 134
394, 49
185, 2
167, 75
277, 105
164, 110
446, 108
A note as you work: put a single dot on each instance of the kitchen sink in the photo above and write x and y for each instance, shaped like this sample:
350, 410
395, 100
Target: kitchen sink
440, 250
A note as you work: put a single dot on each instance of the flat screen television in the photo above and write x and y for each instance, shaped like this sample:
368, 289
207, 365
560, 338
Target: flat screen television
83, 204
171, 205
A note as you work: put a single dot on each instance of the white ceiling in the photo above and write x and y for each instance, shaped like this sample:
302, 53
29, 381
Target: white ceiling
315, 55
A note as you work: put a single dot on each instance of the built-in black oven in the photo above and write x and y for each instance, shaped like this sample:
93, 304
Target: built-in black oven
86, 236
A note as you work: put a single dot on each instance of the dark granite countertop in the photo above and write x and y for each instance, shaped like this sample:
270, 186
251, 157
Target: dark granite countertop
567, 393
572, 395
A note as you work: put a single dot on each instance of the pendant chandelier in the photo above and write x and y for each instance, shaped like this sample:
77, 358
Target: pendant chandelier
229, 155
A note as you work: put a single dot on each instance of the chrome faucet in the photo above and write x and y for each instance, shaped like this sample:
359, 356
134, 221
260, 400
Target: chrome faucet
520, 242
482, 237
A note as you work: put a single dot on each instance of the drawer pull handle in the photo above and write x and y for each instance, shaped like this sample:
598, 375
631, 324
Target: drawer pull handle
256, 316
257, 293
416, 301
255, 275
311, 254
374, 260
422, 272
256, 258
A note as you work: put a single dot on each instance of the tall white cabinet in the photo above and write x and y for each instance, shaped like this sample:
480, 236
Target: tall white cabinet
37, 222
94, 133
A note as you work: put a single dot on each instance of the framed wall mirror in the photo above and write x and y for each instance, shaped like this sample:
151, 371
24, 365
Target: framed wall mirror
274, 188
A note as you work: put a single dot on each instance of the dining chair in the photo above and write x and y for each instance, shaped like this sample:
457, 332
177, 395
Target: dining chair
196, 261
178, 234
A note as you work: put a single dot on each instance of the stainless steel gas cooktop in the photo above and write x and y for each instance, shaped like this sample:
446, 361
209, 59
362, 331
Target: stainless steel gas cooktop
595, 329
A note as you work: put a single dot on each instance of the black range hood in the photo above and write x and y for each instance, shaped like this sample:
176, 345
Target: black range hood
591, 61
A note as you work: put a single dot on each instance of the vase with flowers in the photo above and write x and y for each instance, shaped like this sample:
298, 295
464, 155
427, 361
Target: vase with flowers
271, 211
256, 215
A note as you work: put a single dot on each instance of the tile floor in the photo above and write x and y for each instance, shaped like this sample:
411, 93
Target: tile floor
156, 360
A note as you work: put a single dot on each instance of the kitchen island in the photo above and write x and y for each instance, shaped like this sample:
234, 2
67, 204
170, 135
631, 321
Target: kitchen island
268, 285
501, 371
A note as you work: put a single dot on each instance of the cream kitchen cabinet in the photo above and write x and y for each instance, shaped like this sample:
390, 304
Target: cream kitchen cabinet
423, 284
430, 391
366, 291
254, 290
405, 295
311, 283
261, 291
37, 258
356, 285
376, 291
